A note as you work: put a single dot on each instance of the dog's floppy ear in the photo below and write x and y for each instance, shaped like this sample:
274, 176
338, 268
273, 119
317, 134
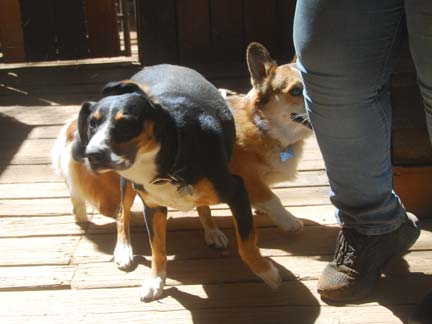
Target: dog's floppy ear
261, 68
81, 141
120, 87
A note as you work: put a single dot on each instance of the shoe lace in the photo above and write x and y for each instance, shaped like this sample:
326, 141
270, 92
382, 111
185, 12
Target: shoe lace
345, 249
351, 246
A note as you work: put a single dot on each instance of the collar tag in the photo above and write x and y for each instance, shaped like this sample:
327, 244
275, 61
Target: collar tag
286, 154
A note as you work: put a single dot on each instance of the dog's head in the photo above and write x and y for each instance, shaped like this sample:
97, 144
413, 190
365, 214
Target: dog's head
278, 95
113, 130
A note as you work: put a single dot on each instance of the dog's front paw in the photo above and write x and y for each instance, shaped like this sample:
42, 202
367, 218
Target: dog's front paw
152, 289
271, 277
289, 223
215, 238
279, 215
123, 256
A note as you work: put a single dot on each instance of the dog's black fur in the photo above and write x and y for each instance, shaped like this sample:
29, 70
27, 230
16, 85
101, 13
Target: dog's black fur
170, 133
193, 126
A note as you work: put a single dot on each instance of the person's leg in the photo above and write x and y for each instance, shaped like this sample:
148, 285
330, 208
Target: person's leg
419, 23
346, 51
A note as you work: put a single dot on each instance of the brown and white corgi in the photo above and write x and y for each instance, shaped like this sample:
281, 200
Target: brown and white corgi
271, 125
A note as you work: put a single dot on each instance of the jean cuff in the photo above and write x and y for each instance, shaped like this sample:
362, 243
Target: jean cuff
380, 230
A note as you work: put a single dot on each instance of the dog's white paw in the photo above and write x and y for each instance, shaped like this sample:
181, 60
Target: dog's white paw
288, 223
215, 238
79, 211
271, 277
279, 215
123, 256
152, 288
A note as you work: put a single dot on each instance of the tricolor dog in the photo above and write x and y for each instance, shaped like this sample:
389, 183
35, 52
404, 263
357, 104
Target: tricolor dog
270, 124
170, 133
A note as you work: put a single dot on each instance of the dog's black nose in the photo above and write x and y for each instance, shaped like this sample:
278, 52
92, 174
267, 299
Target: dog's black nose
96, 156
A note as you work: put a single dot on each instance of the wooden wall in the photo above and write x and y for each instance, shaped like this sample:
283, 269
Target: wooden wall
210, 31
411, 146
45, 30
11, 35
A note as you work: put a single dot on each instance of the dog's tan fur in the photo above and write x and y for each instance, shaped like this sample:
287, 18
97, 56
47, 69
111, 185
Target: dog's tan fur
264, 128
100, 190
84, 185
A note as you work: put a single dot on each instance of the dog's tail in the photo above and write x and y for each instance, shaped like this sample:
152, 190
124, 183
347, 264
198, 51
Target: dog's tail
66, 135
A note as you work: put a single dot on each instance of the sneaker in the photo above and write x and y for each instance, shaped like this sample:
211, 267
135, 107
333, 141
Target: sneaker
359, 260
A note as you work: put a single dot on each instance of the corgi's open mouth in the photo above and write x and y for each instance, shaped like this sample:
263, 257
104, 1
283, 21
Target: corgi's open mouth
301, 119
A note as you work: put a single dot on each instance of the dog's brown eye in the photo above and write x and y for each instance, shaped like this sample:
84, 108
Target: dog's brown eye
92, 122
296, 91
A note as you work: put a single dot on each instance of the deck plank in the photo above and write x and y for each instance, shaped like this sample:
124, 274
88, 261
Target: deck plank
57, 189
37, 250
178, 220
235, 303
99, 224
231, 270
40, 226
37, 132
55, 271
50, 191
37, 151
18, 187
269, 314
36, 277
35, 173
40, 115
62, 205
186, 245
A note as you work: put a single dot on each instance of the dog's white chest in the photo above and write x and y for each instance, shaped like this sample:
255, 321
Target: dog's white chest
144, 171
171, 195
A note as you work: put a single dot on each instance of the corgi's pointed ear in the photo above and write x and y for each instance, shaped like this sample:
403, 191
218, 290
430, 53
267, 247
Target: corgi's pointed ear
120, 87
261, 68
294, 59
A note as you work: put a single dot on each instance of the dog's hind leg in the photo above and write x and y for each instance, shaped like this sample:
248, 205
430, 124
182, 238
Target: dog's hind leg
71, 173
213, 236
153, 285
238, 202
123, 253
79, 209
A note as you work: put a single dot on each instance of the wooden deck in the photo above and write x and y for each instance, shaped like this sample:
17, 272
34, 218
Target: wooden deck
54, 271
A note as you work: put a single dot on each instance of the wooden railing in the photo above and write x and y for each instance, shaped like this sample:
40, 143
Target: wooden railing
209, 31
47, 30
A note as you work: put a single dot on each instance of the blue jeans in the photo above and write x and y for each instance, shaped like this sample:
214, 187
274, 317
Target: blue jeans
346, 52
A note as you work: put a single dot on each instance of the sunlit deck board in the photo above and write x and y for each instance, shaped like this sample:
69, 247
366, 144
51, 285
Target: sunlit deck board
55, 271
231, 303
